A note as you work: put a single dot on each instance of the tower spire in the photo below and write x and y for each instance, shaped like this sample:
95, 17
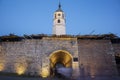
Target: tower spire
59, 5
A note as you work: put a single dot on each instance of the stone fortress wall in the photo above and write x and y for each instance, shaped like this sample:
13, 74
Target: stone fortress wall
97, 58
116, 47
32, 56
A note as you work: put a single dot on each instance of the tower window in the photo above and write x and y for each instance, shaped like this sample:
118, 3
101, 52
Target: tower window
58, 21
55, 16
63, 15
58, 14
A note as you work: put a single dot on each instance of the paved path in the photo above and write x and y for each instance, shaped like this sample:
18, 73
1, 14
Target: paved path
38, 78
28, 78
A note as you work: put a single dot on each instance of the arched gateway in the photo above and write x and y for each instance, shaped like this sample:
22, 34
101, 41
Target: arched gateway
60, 58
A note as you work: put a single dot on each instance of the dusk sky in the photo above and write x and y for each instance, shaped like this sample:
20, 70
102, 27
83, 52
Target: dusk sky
82, 16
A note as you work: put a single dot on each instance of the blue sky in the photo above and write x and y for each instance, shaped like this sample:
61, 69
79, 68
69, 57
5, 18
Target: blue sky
82, 16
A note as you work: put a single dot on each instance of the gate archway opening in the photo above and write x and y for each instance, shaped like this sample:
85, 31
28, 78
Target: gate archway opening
60, 58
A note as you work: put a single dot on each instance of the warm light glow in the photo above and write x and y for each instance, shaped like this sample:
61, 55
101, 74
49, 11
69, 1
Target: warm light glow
93, 71
75, 65
20, 68
61, 56
44, 73
2, 66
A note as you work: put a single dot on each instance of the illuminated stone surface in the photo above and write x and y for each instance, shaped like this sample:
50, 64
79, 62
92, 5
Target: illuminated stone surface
37, 56
20, 68
2, 66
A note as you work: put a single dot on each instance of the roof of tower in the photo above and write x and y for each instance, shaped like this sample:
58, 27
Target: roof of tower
59, 8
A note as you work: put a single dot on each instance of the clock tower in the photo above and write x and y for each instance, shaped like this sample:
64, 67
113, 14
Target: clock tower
59, 22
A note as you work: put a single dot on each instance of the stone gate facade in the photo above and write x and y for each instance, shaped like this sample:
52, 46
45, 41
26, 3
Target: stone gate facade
89, 57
